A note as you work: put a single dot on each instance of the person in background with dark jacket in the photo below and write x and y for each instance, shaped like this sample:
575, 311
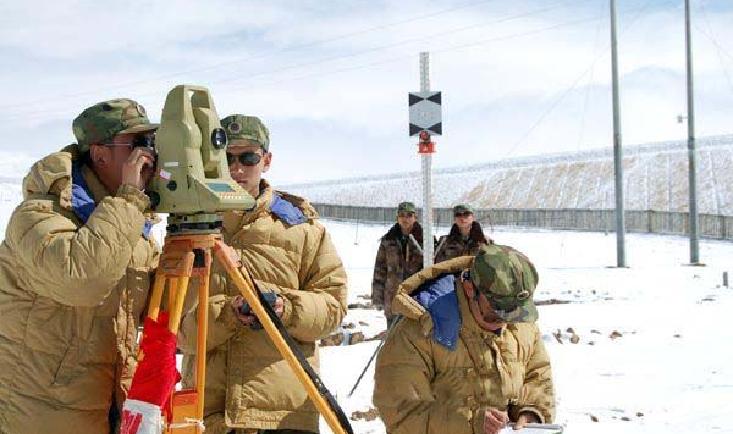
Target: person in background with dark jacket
399, 257
465, 238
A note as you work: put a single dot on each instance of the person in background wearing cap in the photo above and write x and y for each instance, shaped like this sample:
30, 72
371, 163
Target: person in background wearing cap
467, 356
249, 387
75, 269
399, 256
465, 238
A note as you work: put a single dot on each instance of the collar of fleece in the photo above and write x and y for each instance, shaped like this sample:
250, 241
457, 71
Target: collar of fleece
476, 233
395, 232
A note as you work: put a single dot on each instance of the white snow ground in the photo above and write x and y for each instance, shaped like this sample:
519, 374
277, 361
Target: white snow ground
673, 364
671, 371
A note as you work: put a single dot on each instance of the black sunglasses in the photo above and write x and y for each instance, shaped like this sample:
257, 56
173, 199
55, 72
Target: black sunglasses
462, 214
245, 158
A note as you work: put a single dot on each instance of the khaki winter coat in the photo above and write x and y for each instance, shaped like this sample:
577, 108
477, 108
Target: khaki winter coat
248, 384
394, 263
423, 387
454, 245
71, 296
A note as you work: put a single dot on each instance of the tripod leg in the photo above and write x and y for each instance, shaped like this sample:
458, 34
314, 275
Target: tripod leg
203, 326
172, 291
177, 309
157, 296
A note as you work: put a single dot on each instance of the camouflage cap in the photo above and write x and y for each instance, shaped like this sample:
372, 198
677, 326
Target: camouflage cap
461, 208
241, 127
406, 207
508, 280
99, 123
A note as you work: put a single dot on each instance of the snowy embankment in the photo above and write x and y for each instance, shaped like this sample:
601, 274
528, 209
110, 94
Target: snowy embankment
653, 352
655, 178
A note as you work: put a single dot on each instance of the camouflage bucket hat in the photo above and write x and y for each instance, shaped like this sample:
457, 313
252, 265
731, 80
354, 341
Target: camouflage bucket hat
406, 207
462, 208
102, 121
241, 127
508, 280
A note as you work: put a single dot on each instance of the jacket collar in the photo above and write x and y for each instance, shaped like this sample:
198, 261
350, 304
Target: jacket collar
97, 189
51, 175
476, 234
86, 191
395, 232
54, 173
403, 303
438, 297
232, 221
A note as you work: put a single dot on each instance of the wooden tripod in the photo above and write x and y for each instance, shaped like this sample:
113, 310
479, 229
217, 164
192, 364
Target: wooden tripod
187, 255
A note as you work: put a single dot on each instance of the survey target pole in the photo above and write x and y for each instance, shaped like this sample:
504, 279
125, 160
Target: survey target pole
425, 119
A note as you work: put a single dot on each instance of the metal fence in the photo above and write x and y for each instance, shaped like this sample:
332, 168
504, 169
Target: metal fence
594, 220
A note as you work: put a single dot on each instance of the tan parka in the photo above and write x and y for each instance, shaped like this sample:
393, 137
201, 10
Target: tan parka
71, 296
248, 384
422, 386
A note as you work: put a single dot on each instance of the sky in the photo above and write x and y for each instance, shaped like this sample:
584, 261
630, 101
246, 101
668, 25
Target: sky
330, 79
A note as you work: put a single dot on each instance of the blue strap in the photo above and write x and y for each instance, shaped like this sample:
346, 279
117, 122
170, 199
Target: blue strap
147, 227
83, 204
439, 298
286, 211
81, 198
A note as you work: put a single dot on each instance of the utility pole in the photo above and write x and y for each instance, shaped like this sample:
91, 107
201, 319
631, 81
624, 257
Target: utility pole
617, 154
691, 153
427, 178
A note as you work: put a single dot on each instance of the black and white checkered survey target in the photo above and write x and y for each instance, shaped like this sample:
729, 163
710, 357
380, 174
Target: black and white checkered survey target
425, 112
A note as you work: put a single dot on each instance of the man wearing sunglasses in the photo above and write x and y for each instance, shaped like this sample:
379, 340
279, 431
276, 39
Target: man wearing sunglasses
75, 269
465, 238
467, 356
399, 256
249, 387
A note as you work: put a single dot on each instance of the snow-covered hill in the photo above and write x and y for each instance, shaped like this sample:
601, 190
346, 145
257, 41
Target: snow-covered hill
655, 178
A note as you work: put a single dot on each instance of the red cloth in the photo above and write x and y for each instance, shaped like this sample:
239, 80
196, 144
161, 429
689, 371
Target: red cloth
156, 375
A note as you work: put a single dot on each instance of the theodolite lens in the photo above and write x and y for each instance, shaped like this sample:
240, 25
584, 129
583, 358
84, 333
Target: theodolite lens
219, 138
144, 141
